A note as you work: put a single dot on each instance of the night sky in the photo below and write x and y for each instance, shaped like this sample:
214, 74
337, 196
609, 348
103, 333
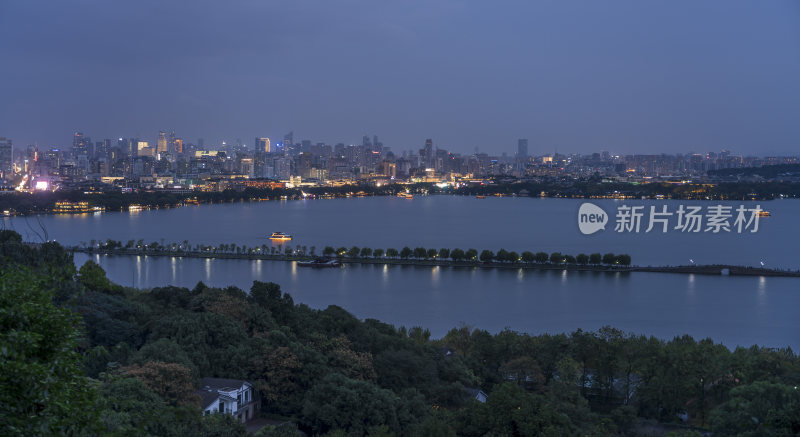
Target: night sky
624, 76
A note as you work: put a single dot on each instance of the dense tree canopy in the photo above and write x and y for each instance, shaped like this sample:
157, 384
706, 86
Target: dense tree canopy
128, 361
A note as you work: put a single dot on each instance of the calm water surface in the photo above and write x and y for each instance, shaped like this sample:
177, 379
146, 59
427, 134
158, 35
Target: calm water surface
435, 221
733, 310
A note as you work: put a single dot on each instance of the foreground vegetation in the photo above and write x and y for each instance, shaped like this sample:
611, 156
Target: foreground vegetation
83, 356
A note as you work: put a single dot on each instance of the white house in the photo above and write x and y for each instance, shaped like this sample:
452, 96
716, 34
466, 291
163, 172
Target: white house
230, 396
477, 394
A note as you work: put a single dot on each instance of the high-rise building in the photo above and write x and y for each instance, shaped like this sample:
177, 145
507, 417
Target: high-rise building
429, 152
161, 146
6, 158
263, 145
178, 146
171, 142
283, 167
79, 143
246, 167
133, 146
288, 145
522, 148
259, 163
104, 149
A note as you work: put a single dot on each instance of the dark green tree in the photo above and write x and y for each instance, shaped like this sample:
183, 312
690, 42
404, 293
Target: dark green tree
503, 255
338, 402
93, 277
42, 387
762, 408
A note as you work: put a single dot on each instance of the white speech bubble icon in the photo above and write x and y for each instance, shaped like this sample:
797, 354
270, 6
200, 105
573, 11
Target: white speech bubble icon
591, 218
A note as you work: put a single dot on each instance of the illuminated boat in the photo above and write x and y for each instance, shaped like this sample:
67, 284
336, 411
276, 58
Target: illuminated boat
320, 262
764, 214
480, 196
405, 195
280, 236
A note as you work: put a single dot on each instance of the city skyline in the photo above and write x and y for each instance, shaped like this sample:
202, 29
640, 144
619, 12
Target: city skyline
519, 148
574, 76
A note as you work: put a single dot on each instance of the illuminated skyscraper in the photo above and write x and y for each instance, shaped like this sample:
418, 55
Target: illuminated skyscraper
161, 146
522, 148
178, 146
79, 144
6, 159
263, 145
143, 149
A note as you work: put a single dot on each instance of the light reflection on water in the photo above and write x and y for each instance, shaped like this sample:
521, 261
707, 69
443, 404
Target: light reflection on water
735, 310
450, 221
762, 294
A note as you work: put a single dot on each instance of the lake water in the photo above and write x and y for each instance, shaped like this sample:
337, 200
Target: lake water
734, 310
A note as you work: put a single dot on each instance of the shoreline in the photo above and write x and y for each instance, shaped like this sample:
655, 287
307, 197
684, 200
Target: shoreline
714, 269
147, 200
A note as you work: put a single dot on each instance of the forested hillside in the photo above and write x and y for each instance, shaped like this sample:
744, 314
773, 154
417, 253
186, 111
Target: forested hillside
83, 356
